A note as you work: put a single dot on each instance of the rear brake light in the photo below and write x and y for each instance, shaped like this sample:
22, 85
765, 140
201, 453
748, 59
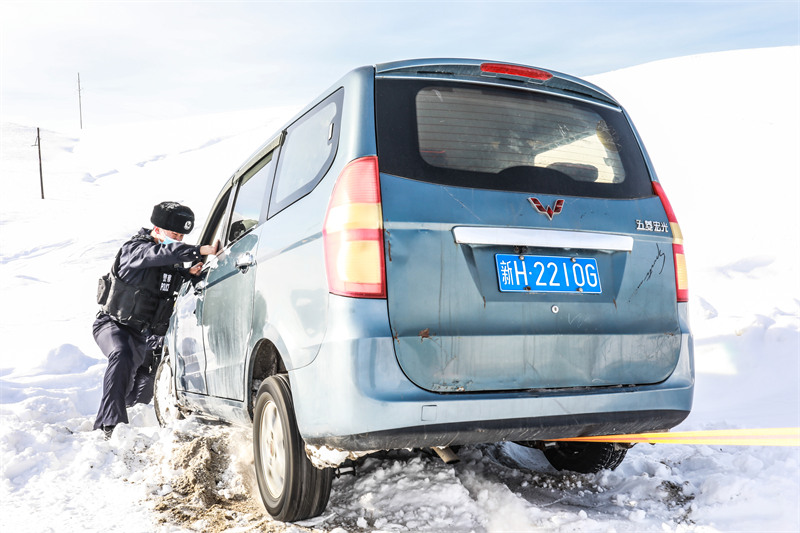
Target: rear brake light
681, 275
353, 233
516, 70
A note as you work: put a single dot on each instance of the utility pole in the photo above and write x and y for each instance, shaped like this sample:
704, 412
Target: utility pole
39, 145
80, 107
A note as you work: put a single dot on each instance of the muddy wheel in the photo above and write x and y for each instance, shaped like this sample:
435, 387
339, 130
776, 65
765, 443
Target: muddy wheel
585, 457
164, 400
291, 487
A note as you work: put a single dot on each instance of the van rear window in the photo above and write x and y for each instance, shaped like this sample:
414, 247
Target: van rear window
496, 138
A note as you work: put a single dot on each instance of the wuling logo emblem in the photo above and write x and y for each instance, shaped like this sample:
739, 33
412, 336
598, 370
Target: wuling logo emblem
548, 211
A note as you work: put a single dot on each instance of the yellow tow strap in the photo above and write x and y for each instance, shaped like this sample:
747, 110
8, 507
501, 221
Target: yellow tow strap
727, 437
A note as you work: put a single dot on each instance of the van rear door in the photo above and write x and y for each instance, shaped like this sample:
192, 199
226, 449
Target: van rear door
525, 248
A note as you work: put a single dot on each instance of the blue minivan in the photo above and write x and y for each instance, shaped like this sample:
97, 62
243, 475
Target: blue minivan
436, 252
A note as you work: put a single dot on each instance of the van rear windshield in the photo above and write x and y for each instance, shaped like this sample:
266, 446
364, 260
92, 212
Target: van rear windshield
495, 138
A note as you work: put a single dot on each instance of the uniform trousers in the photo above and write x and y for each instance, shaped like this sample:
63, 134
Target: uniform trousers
129, 378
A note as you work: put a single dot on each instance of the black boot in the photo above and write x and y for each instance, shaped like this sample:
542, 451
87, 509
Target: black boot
107, 431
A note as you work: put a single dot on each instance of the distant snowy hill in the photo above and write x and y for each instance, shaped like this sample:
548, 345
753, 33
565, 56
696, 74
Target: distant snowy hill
723, 130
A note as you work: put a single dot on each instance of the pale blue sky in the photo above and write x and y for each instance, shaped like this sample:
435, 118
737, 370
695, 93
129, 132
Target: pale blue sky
150, 60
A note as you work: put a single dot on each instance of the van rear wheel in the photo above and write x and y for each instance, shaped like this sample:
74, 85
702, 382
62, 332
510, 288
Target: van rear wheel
585, 457
291, 487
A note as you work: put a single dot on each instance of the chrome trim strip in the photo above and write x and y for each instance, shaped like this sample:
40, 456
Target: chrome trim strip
542, 238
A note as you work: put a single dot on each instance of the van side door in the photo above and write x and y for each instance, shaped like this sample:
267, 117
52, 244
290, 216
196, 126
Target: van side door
190, 358
229, 284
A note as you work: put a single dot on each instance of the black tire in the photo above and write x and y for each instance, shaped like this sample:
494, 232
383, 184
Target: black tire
291, 487
585, 457
164, 398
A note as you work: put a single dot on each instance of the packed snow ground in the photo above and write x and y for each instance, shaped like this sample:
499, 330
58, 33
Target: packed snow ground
723, 130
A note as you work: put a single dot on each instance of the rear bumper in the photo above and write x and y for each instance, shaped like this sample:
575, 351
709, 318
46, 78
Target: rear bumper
518, 429
354, 396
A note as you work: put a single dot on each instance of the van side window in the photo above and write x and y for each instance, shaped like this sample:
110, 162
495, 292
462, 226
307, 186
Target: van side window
251, 198
307, 152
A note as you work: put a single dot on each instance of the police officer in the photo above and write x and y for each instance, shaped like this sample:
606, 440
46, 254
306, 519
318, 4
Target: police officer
136, 300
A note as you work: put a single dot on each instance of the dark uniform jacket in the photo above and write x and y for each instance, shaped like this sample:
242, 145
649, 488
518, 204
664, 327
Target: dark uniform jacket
141, 287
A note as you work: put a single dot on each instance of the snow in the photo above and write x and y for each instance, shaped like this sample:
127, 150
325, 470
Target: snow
723, 131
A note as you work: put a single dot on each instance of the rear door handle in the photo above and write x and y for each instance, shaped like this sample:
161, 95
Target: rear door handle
245, 261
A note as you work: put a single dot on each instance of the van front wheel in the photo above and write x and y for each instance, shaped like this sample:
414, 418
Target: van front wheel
291, 487
164, 401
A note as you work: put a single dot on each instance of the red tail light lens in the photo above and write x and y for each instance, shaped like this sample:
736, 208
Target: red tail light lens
353, 233
516, 70
681, 275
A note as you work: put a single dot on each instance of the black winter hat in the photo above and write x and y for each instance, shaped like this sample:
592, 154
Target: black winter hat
173, 216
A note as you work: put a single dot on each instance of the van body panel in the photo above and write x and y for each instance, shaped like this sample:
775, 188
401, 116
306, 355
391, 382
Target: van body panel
292, 292
455, 331
190, 356
227, 315
359, 358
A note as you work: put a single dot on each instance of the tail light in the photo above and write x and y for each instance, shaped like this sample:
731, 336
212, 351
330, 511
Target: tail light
681, 276
353, 233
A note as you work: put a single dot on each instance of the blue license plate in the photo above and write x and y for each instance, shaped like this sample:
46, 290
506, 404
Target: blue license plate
544, 273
